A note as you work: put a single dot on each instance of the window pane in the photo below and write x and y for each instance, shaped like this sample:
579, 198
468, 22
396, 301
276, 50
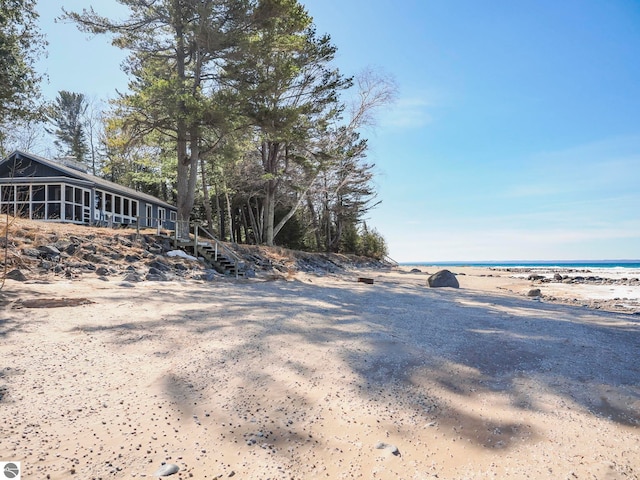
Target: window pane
117, 204
38, 211
53, 192
22, 191
38, 192
8, 193
53, 211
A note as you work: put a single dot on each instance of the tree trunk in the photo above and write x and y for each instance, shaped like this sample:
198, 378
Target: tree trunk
270, 152
314, 222
205, 193
184, 161
228, 201
257, 233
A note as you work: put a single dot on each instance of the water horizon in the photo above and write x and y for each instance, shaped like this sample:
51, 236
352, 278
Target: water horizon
620, 263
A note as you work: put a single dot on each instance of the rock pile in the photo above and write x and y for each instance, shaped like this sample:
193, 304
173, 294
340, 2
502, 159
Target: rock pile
129, 258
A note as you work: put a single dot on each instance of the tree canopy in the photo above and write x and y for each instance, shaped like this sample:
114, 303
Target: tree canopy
236, 112
21, 44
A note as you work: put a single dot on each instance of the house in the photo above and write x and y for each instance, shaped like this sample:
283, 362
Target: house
62, 191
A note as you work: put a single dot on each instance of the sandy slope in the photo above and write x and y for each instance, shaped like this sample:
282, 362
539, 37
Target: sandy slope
303, 379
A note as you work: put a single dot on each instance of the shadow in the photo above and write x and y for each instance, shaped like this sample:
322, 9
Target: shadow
397, 340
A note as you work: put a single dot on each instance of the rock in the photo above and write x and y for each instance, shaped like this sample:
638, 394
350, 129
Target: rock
49, 252
534, 292
415, 270
386, 446
132, 258
557, 277
158, 265
31, 252
156, 277
132, 277
166, 470
535, 277
16, 275
102, 271
443, 278
93, 258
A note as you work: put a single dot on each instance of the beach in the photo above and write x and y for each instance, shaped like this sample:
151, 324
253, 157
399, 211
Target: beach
321, 376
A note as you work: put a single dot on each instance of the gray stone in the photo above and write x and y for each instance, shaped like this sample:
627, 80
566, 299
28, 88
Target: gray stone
16, 275
166, 470
159, 277
132, 277
132, 258
534, 292
102, 271
93, 258
161, 266
443, 278
31, 252
387, 446
415, 270
49, 250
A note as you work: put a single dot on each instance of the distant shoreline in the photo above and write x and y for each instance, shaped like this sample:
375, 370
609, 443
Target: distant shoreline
627, 264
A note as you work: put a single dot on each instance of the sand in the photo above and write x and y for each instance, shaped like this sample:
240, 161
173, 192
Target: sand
316, 377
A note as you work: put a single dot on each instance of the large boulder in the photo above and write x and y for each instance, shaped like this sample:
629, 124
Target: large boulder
443, 278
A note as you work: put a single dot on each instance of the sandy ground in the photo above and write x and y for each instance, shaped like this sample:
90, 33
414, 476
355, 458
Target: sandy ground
305, 378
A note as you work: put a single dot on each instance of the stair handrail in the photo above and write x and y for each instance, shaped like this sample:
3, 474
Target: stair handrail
237, 261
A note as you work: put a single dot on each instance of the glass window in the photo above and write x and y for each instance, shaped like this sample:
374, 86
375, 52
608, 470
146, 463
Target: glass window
22, 192
38, 193
117, 203
38, 211
53, 192
134, 208
8, 193
125, 206
53, 211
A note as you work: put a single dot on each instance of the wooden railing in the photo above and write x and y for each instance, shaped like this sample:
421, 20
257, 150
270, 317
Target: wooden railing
219, 247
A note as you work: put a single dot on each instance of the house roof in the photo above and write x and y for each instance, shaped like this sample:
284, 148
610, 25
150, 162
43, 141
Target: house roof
97, 181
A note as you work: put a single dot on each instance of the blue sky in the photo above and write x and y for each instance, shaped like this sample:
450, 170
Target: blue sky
516, 134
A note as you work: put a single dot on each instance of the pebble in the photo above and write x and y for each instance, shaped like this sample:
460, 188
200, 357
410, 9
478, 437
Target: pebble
166, 470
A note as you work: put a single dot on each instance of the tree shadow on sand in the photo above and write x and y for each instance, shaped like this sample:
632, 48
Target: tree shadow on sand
399, 339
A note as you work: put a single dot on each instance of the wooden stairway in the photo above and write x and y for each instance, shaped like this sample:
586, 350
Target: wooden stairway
220, 261
201, 243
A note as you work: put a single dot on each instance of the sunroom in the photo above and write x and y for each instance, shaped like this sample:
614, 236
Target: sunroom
41, 189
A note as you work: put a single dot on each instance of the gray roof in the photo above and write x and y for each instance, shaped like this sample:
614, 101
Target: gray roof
97, 181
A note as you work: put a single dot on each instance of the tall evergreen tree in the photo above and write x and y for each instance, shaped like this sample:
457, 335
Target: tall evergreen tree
176, 47
288, 90
67, 117
21, 44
